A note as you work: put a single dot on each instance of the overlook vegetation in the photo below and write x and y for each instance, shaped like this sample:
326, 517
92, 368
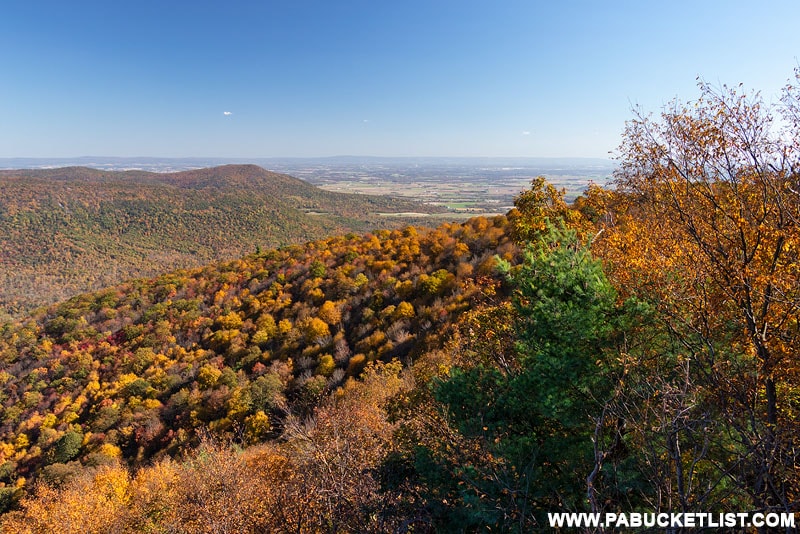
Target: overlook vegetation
635, 350
138, 370
66, 231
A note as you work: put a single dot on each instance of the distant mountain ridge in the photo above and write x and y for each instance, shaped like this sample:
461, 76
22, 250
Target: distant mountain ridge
173, 164
69, 230
193, 177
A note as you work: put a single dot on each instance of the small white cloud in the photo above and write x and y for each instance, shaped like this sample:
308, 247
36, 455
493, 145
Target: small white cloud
365, 120
227, 113
526, 132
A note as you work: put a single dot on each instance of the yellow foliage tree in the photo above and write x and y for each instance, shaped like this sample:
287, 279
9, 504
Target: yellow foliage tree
315, 329
330, 313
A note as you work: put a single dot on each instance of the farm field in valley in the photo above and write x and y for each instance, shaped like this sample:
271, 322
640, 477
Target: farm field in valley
466, 187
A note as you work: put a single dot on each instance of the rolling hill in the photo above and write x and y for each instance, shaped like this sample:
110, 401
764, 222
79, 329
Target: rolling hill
70, 230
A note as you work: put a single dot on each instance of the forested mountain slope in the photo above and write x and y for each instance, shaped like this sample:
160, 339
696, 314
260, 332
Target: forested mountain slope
633, 351
142, 369
67, 231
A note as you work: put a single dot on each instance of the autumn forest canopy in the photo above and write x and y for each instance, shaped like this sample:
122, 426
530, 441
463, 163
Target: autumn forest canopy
68, 231
633, 350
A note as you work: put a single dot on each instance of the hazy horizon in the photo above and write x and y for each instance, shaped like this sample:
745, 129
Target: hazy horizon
165, 164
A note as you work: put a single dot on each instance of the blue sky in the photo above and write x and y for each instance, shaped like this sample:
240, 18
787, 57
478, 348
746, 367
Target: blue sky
401, 78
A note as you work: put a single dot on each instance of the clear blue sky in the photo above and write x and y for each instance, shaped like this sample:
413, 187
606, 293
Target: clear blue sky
375, 77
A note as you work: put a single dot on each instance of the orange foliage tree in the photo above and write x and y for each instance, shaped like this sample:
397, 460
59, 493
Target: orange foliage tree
705, 224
